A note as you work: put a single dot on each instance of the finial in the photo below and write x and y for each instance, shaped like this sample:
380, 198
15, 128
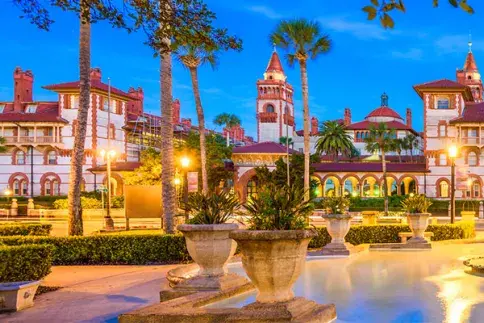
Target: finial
384, 100
274, 44
470, 42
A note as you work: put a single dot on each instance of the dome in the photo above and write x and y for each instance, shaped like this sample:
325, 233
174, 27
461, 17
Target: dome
384, 112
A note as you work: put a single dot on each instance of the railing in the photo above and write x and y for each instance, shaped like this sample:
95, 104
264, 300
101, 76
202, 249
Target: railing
267, 117
470, 140
31, 140
289, 120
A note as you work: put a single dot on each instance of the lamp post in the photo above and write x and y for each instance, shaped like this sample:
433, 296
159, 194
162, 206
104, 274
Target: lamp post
108, 156
185, 163
452, 156
7, 193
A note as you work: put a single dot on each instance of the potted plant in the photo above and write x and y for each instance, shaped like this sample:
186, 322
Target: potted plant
338, 224
274, 248
207, 233
417, 216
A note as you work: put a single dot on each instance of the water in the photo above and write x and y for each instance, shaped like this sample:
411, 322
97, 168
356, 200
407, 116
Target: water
420, 286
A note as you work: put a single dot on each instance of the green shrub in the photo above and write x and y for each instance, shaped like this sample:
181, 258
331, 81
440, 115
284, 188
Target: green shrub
25, 262
86, 202
111, 249
25, 229
416, 204
48, 198
117, 202
360, 234
211, 208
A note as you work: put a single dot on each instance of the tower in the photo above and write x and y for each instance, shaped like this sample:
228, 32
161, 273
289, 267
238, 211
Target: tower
275, 107
470, 76
23, 84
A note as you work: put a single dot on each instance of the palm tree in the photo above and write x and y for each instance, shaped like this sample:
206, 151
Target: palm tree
334, 140
380, 139
411, 143
286, 141
398, 146
193, 57
303, 40
229, 120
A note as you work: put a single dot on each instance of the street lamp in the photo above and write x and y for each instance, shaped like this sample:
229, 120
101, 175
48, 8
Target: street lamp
108, 156
185, 163
7, 193
452, 156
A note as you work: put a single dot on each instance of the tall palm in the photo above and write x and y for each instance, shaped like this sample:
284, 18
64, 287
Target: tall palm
380, 139
75, 226
192, 58
286, 141
229, 121
412, 143
303, 40
398, 146
334, 140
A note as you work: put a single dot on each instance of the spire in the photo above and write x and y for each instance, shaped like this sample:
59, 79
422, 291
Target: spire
384, 100
470, 64
274, 63
470, 42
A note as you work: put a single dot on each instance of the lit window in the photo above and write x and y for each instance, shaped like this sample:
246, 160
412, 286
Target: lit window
75, 102
444, 189
443, 160
20, 157
442, 130
442, 104
2, 107
472, 159
31, 108
51, 157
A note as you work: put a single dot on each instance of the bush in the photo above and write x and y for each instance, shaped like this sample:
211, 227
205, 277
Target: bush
25, 229
111, 249
117, 202
360, 234
86, 202
25, 262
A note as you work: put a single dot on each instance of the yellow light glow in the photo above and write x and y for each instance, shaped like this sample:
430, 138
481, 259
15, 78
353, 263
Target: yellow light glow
412, 195
177, 181
7, 192
112, 153
102, 153
354, 194
185, 162
452, 151
469, 182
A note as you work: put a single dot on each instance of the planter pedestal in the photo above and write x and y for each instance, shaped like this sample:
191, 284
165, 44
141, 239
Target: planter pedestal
418, 223
17, 296
338, 226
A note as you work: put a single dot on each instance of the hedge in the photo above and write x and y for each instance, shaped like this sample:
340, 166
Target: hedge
360, 234
25, 262
25, 229
111, 249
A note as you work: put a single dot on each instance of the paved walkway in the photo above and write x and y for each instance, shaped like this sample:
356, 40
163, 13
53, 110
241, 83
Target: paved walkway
94, 293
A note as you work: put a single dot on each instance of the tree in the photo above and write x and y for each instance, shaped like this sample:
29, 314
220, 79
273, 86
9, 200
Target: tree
303, 40
380, 139
411, 143
383, 8
286, 141
229, 121
398, 146
3, 149
149, 172
334, 140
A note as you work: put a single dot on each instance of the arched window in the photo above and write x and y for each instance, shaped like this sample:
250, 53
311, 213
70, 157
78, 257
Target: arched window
472, 159
444, 189
50, 184
55, 187
20, 157
16, 187
473, 188
52, 157
48, 187
469, 77
252, 188
358, 136
270, 108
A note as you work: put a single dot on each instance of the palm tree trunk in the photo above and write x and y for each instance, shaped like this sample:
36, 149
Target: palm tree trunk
385, 184
228, 136
307, 152
167, 155
399, 156
201, 129
75, 226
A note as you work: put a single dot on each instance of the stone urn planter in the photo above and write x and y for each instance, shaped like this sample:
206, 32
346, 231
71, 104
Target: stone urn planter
18, 295
210, 246
418, 223
338, 226
273, 260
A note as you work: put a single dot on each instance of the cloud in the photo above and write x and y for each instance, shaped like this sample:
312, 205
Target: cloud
415, 54
361, 30
456, 44
266, 12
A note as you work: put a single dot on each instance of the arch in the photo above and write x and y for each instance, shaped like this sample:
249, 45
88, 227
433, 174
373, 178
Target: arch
50, 184
351, 185
18, 183
474, 189
50, 157
241, 184
331, 185
270, 108
472, 158
408, 184
442, 187
117, 183
392, 185
367, 185
317, 190
19, 157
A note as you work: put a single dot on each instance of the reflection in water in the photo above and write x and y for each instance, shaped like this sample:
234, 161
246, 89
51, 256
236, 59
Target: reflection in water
421, 286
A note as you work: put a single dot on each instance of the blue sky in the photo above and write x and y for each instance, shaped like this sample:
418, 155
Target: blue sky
427, 44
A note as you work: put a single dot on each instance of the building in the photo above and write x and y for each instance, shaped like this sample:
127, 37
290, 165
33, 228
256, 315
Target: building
39, 136
453, 113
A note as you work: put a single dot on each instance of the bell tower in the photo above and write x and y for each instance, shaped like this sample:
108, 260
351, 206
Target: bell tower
470, 75
275, 107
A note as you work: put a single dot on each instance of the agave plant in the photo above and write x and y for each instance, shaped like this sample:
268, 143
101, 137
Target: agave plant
335, 205
278, 208
416, 204
211, 208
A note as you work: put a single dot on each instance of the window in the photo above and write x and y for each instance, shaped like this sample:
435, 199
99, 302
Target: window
75, 102
20, 158
442, 130
2, 107
31, 108
252, 188
52, 157
270, 108
112, 132
106, 104
16, 187
442, 104
23, 187
472, 159
444, 189
55, 187
48, 190
443, 160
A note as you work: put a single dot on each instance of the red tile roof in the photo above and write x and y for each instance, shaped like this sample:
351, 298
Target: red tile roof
444, 84
471, 113
470, 64
384, 112
274, 64
45, 112
267, 147
369, 167
94, 85
365, 125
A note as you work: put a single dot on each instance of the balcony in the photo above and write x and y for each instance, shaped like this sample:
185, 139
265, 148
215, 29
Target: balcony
29, 140
289, 120
471, 141
267, 117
